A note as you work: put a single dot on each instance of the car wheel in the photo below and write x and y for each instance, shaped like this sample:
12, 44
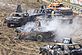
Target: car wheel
39, 37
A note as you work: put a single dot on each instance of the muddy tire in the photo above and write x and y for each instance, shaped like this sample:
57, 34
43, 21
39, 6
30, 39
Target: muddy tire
39, 37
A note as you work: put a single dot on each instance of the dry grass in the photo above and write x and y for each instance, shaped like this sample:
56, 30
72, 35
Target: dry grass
10, 46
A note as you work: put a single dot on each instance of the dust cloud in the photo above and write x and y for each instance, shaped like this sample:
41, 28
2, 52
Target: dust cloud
59, 25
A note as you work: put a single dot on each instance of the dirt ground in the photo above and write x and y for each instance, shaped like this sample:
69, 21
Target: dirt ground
10, 46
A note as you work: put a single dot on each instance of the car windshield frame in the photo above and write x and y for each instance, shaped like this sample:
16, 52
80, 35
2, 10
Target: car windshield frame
16, 15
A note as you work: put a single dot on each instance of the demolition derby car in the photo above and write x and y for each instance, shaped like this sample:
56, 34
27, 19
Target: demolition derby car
19, 18
62, 49
59, 11
36, 36
54, 6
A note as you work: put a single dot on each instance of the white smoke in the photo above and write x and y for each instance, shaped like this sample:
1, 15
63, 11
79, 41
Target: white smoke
61, 28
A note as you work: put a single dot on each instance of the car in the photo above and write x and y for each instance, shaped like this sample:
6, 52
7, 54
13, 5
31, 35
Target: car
59, 11
62, 49
55, 6
20, 18
65, 11
17, 19
36, 36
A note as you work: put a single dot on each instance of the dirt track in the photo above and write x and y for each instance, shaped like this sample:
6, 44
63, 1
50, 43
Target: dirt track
9, 46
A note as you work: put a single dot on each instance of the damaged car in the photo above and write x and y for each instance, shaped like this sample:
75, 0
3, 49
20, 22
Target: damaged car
62, 49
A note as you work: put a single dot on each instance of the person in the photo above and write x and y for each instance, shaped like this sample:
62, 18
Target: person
52, 13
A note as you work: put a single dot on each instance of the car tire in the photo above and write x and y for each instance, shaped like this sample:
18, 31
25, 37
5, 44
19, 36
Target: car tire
39, 37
